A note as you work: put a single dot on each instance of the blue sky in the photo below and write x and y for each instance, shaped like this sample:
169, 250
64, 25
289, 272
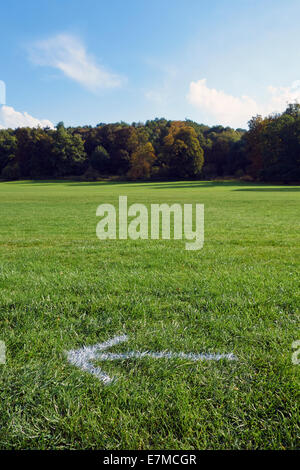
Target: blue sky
91, 61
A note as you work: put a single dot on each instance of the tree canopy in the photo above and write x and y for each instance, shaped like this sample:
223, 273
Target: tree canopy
268, 151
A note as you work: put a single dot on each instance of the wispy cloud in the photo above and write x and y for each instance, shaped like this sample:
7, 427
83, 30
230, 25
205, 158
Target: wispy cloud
68, 54
10, 118
236, 111
163, 93
280, 96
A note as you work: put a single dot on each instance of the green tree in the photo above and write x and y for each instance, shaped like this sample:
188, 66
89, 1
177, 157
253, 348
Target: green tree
183, 152
41, 161
100, 159
68, 152
8, 147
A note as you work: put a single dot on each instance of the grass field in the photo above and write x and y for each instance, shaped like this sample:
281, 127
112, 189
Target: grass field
61, 288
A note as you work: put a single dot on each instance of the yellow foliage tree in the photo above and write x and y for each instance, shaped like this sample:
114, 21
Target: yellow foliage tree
142, 161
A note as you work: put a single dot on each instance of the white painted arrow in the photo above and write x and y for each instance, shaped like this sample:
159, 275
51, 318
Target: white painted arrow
83, 357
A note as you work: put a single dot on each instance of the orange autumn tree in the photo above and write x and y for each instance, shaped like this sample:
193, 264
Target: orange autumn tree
142, 161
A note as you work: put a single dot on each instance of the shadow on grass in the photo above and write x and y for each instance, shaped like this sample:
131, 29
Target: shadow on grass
235, 185
150, 184
64, 182
175, 184
36, 182
170, 184
273, 189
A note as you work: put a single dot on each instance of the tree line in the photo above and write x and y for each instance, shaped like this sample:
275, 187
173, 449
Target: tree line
268, 151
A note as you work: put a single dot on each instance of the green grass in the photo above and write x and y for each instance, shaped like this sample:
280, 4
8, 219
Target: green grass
62, 288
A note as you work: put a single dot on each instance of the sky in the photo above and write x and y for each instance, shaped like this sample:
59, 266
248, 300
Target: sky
92, 61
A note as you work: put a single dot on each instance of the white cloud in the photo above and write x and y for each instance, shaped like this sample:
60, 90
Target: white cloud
236, 111
227, 109
10, 118
68, 54
280, 96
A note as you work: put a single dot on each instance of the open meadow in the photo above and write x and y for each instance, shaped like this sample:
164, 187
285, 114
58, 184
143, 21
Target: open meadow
62, 288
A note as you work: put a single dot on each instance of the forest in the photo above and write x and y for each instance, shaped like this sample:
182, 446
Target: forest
157, 149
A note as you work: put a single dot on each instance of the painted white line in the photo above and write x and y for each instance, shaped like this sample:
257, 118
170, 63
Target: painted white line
83, 357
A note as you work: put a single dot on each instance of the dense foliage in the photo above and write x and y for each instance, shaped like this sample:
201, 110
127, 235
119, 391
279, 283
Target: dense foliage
268, 151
